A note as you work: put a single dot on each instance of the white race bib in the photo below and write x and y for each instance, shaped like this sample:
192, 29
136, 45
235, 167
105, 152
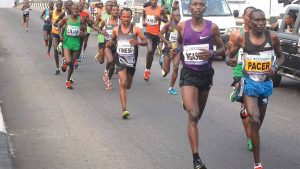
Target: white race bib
173, 36
240, 56
26, 11
191, 54
126, 54
150, 20
73, 30
109, 34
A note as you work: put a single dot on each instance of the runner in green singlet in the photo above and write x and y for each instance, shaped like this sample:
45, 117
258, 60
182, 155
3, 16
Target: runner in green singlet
73, 31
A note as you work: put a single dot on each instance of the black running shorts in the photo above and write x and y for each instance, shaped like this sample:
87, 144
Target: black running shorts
203, 80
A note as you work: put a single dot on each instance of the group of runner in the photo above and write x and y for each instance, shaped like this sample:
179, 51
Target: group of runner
252, 51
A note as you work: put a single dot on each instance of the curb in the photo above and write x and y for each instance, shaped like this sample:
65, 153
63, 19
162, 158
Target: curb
6, 161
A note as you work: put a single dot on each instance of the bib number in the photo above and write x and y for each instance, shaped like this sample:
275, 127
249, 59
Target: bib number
109, 34
150, 20
192, 56
73, 30
173, 36
26, 11
126, 54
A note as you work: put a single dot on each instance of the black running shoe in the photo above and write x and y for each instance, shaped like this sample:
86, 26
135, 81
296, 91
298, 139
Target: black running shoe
199, 165
57, 72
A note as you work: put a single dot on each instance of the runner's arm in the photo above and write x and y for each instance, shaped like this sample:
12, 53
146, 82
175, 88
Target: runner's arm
142, 37
61, 16
179, 29
164, 17
42, 15
144, 18
61, 23
235, 47
218, 41
278, 50
162, 32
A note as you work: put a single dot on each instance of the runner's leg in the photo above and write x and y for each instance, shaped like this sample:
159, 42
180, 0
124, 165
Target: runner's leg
56, 56
123, 88
251, 104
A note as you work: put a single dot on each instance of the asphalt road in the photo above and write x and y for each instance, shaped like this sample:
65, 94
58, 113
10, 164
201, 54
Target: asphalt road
56, 128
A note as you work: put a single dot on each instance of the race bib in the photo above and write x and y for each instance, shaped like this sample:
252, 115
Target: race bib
26, 11
126, 54
73, 30
150, 20
173, 36
109, 34
191, 54
259, 64
240, 56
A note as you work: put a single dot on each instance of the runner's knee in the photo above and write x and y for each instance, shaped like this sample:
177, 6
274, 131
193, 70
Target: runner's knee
255, 120
194, 115
123, 83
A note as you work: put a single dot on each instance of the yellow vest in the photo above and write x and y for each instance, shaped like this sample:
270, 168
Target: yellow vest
55, 16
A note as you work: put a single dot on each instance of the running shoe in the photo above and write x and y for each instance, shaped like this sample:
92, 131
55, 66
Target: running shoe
59, 48
163, 73
96, 57
125, 114
76, 63
172, 91
82, 54
258, 167
105, 76
64, 66
249, 145
232, 95
57, 72
69, 85
161, 60
147, 74
198, 165
71, 80
108, 85
79, 59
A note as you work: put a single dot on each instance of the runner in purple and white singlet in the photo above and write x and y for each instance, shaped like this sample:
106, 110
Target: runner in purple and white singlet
195, 43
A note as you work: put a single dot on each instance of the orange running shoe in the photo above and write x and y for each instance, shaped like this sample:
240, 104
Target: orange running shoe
147, 74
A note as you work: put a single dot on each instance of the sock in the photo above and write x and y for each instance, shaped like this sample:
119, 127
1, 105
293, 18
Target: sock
196, 157
170, 88
257, 164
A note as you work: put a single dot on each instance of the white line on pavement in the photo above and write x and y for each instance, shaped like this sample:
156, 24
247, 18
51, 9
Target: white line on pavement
2, 126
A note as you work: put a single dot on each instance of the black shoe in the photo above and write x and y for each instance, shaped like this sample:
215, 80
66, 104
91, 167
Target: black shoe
199, 165
57, 72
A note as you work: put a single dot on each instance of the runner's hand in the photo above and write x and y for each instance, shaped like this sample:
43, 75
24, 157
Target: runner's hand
144, 24
206, 54
157, 18
108, 44
229, 46
231, 61
104, 32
